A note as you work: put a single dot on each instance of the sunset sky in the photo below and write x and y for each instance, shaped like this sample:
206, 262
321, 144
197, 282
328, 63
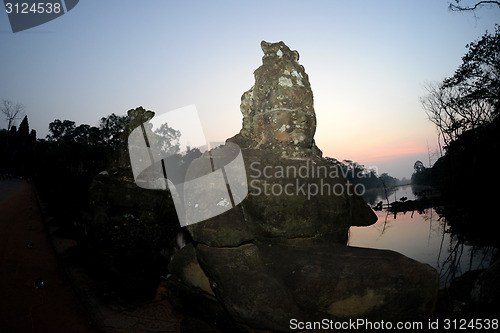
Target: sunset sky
367, 61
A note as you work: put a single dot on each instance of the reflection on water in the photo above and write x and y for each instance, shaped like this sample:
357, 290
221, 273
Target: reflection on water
423, 236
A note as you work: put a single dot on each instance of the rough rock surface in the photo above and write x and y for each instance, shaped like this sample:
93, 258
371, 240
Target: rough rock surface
282, 253
293, 191
129, 224
278, 110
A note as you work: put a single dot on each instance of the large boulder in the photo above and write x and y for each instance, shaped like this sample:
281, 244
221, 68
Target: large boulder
264, 286
349, 282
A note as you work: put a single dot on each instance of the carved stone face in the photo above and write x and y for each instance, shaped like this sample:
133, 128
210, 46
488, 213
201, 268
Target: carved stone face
278, 110
294, 127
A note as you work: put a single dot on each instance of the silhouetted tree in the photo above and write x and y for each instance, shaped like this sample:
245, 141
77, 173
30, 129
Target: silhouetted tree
470, 98
111, 129
168, 139
107, 134
60, 131
87, 135
12, 134
389, 181
11, 112
421, 175
19, 148
357, 173
418, 166
478, 77
24, 128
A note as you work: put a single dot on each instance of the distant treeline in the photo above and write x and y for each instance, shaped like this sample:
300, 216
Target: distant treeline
65, 162
358, 174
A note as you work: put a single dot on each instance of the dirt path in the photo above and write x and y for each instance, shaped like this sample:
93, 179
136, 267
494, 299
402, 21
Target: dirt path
35, 295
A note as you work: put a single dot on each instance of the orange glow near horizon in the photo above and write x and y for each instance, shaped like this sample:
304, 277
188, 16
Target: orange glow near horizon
385, 154
364, 154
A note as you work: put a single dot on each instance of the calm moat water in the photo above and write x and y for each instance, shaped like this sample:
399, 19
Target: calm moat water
423, 236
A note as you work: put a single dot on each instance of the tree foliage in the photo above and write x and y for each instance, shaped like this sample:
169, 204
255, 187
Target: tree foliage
469, 98
418, 166
168, 139
465, 109
61, 131
421, 175
478, 77
17, 150
111, 128
358, 174
107, 134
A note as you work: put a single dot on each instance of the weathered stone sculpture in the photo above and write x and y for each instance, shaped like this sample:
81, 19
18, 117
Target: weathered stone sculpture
278, 110
129, 224
277, 135
282, 253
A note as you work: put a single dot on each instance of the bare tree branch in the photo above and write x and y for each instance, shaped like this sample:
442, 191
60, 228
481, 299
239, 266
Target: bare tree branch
11, 111
458, 8
447, 110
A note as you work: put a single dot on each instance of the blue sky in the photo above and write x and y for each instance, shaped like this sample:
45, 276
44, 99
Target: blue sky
368, 62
